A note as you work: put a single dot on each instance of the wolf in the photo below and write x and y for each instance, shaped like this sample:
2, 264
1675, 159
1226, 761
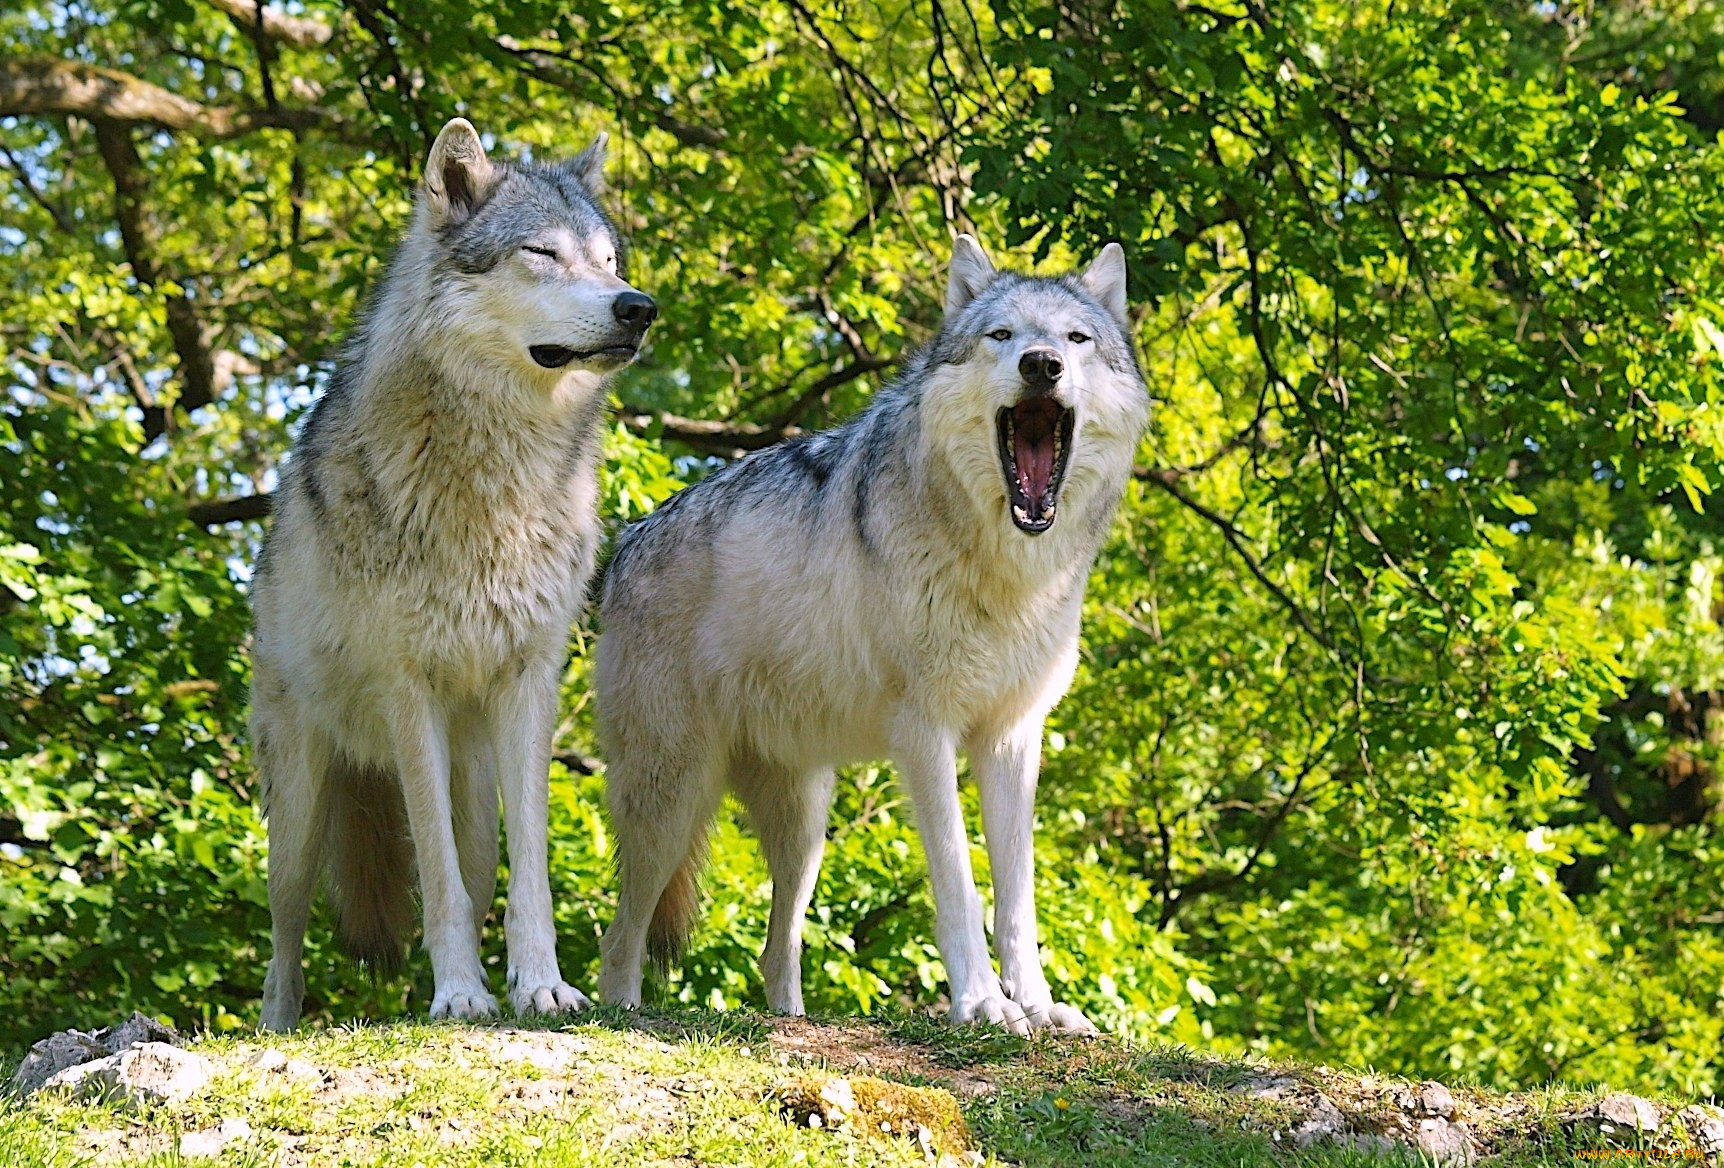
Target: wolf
904, 585
435, 530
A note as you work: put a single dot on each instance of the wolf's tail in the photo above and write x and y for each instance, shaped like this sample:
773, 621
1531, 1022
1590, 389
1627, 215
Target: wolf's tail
371, 865
677, 910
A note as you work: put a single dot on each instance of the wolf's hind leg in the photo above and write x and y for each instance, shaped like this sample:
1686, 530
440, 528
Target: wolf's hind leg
294, 770
789, 813
661, 807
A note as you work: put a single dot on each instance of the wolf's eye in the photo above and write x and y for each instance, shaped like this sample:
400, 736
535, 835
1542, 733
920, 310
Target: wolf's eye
1001, 334
1078, 338
548, 252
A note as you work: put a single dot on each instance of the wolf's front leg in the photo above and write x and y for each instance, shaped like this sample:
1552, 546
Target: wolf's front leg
523, 721
927, 759
420, 735
1006, 767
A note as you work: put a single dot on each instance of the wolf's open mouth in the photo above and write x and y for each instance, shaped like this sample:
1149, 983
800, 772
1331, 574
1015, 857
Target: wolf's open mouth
556, 356
1035, 444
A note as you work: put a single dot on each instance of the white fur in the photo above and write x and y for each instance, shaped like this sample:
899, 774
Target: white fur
431, 546
761, 636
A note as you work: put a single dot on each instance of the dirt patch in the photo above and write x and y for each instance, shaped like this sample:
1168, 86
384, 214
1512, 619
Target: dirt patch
858, 1046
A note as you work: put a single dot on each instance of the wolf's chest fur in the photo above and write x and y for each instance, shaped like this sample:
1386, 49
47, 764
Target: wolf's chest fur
489, 551
455, 542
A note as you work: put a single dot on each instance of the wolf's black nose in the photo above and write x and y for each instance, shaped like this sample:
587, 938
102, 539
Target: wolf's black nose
635, 309
1040, 366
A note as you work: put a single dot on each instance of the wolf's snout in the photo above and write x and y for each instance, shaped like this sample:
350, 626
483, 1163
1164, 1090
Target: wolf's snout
634, 309
1041, 367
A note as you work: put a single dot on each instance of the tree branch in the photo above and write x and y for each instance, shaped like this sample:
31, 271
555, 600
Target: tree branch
302, 32
549, 67
860, 367
1169, 482
34, 86
236, 510
723, 439
205, 372
57, 213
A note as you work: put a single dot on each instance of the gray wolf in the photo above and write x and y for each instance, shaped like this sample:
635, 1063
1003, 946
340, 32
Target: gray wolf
904, 585
435, 529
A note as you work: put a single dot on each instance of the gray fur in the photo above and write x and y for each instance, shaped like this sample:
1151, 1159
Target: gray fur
434, 532
866, 592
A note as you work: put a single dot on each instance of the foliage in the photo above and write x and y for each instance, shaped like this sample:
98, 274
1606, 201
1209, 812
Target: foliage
1396, 735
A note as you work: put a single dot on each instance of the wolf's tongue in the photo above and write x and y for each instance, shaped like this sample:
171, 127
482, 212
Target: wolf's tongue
1033, 447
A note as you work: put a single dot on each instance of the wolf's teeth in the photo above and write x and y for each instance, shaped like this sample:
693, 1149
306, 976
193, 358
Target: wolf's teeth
1023, 516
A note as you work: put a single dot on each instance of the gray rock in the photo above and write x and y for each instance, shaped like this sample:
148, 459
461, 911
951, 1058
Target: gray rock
1443, 1141
52, 1055
136, 1029
211, 1141
1324, 1123
1268, 1087
69, 1048
1626, 1111
1706, 1126
1434, 1099
151, 1072
197, 1144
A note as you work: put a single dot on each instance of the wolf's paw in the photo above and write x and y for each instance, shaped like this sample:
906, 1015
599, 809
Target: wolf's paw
1058, 1017
994, 1007
557, 998
620, 985
468, 1004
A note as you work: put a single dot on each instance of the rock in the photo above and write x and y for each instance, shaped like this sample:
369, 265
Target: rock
69, 1048
1444, 1142
139, 1028
1324, 1123
54, 1054
201, 1143
836, 1102
300, 1071
273, 1062
1622, 1111
1268, 1087
1434, 1099
211, 1141
152, 1072
1706, 1126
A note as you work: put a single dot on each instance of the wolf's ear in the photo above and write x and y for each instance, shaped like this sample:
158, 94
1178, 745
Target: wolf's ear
458, 176
971, 272
1105, 280
588, 166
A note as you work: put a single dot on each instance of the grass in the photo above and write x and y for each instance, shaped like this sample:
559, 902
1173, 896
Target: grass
693, 1088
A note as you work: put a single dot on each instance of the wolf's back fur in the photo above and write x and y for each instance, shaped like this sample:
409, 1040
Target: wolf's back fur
853, 594
434, 532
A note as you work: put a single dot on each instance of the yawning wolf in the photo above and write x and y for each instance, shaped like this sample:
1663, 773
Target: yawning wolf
905, 585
